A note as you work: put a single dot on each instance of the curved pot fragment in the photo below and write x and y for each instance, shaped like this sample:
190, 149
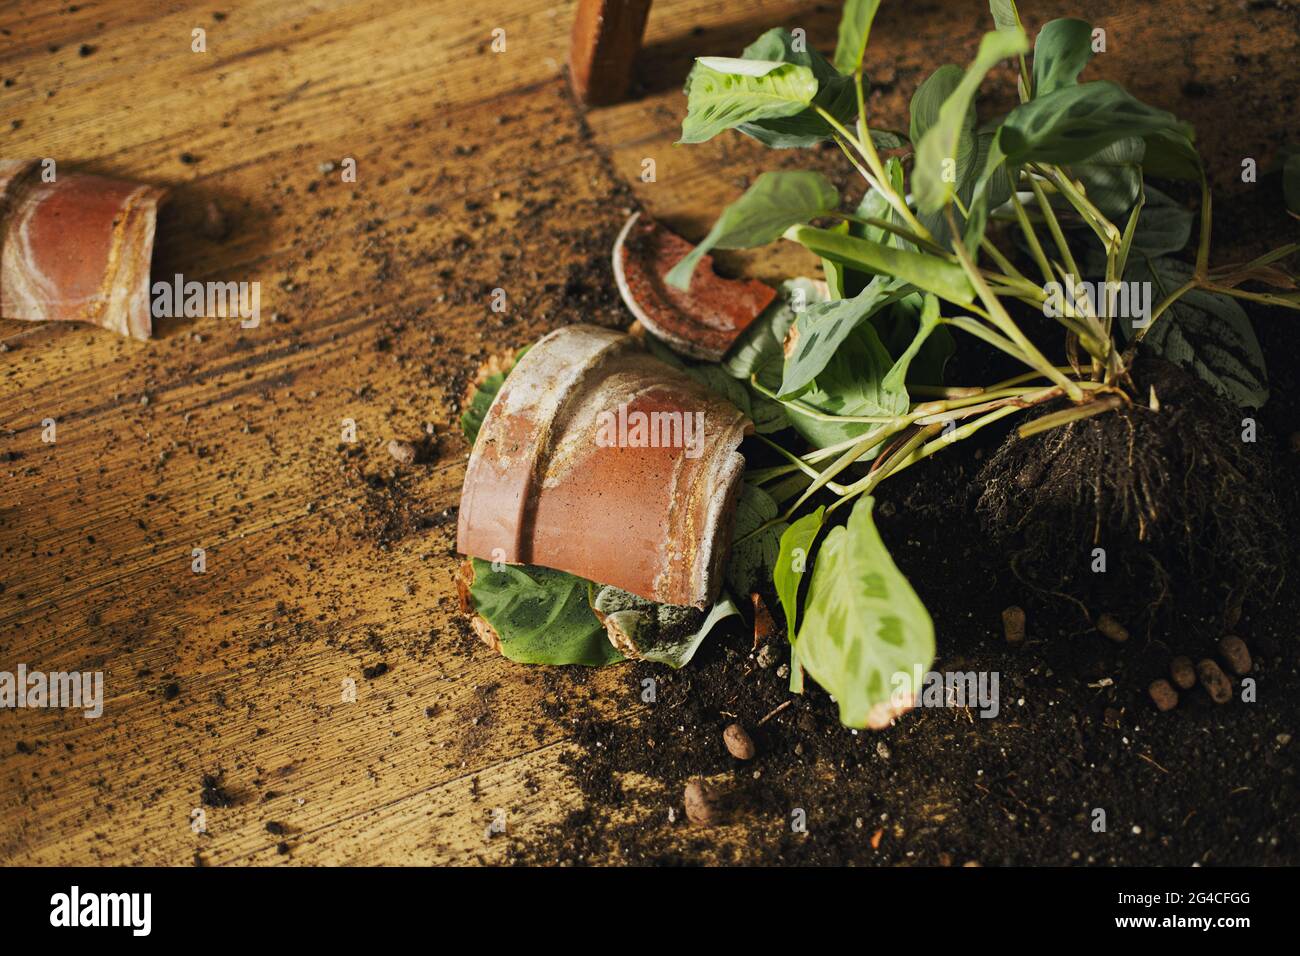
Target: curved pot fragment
76, 249
599, 460
701, 323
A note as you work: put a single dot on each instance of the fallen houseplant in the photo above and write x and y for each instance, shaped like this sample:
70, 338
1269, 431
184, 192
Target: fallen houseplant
1036, 233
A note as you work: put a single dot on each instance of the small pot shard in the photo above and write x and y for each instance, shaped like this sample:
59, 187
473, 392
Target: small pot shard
77, 248
702, 322
599, 460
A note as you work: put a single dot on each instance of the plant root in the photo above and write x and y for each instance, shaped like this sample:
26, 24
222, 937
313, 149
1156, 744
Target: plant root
1173, 497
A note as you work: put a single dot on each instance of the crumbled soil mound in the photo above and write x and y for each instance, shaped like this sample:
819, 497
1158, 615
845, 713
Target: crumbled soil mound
1174, 497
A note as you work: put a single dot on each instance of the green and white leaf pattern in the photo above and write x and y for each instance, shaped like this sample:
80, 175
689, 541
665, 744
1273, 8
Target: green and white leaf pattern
1206, 332
717, 101
541, 616
753, 552
865, 633
776, 201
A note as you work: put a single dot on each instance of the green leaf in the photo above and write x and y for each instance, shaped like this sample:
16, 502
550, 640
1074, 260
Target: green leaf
899, 327
1291, 180
894, 382
855, 28
794, 558
541, 616
724, 93
1075, 122
1005, 15
991, 189
753, 552
1206, 332
944, 278
763, 342
971, 146
835, 271
852, 385
1170, 154
471, 418
1112, 177
821, 329
1061, 51
716, 379
835, 94
930, 96
874, 205
865, 636
1164, 226
775, 202
934, 177
760, 351
663, 633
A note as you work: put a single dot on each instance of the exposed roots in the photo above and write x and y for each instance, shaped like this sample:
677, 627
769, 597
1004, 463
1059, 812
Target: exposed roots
1174, 498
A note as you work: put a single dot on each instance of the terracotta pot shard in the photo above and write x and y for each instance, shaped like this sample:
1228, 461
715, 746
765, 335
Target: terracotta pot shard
76, 249
703, 322
599, 460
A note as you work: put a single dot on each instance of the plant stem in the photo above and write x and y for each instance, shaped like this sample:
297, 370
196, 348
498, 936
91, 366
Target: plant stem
1000, 342
1067, 415
1054, 227
1170, 299
900, 231
998, 316
1207, 215
816, 413
800, 464
1004, 263
1096, 219
865, 485
867, 150
1031, 237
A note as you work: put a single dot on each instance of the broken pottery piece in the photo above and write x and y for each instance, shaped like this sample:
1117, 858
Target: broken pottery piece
701, 323
77, 248
599, 460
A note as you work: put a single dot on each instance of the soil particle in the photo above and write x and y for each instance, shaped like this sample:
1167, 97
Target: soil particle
1013, 624
212, 794
1163, 694
403, 452
1215, 682
1182, 672
700, 807
1235, 654
739, 744
1112, 628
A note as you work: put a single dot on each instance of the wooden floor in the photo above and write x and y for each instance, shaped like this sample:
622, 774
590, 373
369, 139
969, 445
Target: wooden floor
474, 172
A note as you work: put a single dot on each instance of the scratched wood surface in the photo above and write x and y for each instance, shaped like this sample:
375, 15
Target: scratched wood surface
475, 172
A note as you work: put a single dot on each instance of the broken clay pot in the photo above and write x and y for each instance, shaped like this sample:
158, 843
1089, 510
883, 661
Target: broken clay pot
600, 460
77, 248
702, 322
